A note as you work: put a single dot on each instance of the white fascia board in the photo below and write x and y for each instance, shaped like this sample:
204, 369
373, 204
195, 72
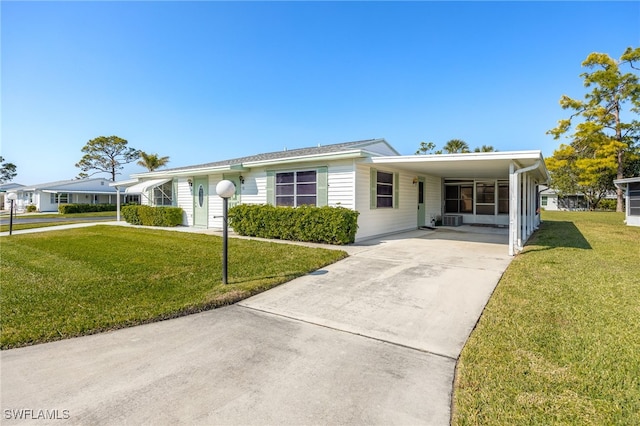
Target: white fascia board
307, 158
191, 172
127, 182
88, 191
470, 156
627, 180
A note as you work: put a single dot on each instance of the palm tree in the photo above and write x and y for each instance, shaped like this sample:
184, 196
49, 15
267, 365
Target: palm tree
455, 146
485, 148
152, 161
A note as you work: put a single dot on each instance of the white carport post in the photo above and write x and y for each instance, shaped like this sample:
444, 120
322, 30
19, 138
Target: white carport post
118, 203
514, 207
519, 210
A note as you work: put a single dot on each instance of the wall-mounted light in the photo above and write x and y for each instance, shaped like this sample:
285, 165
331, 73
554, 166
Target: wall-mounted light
415, 180
190, 182
242, 179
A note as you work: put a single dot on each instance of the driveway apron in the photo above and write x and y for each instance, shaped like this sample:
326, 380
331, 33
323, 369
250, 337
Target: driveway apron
372, 339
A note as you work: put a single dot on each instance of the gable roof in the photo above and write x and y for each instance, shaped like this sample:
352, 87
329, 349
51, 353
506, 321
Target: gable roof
62, 184
355, 148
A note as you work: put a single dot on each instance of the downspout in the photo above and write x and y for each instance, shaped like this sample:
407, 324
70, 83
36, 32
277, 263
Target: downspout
515, 238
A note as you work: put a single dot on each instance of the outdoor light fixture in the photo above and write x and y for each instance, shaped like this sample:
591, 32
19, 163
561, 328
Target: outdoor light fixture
12, 198
242, 179
190, 182
225, 190
415, 180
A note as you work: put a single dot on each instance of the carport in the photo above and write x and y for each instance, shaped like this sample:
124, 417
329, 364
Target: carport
522, 171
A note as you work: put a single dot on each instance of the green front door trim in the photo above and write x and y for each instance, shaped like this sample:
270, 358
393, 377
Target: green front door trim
201, 202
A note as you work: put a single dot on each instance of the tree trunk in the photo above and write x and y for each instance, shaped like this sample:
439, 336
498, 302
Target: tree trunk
620, 171
620, 175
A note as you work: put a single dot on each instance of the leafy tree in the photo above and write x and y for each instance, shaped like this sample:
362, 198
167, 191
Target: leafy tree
151, 161
426, 148
106, 155
586, 170
7, 171
603, 141
456, 146
485, 148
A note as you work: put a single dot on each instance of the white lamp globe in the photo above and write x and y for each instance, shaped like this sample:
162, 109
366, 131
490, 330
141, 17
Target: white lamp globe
225, 189
12, 196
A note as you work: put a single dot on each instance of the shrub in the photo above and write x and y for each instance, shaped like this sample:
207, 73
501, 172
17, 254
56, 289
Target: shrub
31, 208
86, 208
332, 225
152, 216
607, 204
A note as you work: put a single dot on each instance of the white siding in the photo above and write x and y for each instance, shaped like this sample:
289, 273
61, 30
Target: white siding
185, 201
341, 184
215, 203
432, 198
552, 202
372, 222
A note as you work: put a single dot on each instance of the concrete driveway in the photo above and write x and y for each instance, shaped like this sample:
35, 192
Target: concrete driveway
372, 339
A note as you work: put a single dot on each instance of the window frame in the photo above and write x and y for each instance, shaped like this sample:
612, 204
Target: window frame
57, 198
296, 184
162, 193
391, 189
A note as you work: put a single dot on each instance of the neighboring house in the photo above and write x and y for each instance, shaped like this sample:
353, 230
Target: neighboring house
48, 196
3, 189
393, 193
631, 188
550, 200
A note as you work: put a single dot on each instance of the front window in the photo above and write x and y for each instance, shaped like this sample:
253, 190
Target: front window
384, 190
459, 197
61, 198
295, 189
503, 197
163, 194
485, 198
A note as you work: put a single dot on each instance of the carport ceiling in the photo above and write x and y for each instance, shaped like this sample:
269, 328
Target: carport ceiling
486, 165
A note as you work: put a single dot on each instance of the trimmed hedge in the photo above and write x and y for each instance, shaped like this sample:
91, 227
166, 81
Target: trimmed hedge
152, 216
332, 225
86, 208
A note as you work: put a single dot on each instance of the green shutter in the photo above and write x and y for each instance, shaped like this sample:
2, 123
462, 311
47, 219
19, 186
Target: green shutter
396, 190
322, 187
271, 187
373, 188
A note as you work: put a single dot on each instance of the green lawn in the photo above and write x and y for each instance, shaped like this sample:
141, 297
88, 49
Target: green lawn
69, 219
60, 284
559, 341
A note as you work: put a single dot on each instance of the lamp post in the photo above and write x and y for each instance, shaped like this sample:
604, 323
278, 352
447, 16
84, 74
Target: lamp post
12, 198
225, 189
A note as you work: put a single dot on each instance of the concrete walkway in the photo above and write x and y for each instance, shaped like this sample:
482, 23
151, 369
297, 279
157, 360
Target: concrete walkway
372, 339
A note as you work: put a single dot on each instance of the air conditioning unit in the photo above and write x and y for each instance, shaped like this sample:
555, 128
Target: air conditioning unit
452, 220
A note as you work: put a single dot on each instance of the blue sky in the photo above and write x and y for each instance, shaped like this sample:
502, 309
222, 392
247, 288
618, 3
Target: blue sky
208, 81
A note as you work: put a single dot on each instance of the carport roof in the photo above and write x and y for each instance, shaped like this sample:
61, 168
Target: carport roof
480, 165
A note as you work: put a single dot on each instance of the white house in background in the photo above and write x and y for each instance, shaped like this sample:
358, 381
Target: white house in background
3, 190
550, 200
631, 188
393, 193
48, 196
